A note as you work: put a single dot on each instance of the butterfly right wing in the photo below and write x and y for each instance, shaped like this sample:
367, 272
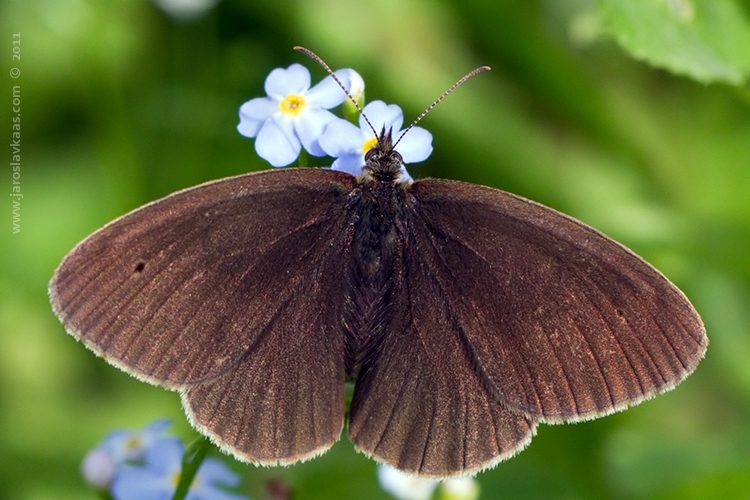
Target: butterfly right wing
226, 292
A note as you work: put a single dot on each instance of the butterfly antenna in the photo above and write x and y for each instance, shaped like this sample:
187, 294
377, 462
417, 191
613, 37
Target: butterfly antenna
429, 108
312, 55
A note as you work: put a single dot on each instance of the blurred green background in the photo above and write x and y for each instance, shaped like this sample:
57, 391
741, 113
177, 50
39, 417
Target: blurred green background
631, 116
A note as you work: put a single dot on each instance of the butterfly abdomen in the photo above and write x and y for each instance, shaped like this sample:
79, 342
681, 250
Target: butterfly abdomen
375, 245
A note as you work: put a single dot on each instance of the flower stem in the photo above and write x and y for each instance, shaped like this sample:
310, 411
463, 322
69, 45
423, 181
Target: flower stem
191, 461
303, 159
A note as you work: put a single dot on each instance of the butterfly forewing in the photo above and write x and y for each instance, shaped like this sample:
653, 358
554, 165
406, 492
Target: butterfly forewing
563, 322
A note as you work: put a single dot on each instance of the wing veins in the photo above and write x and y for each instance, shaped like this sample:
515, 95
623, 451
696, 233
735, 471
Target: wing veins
640, 342
455, 319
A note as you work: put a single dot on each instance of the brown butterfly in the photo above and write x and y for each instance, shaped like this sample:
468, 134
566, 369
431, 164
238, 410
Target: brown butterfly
463, 314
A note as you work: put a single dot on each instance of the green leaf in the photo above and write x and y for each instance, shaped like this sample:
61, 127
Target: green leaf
708, 40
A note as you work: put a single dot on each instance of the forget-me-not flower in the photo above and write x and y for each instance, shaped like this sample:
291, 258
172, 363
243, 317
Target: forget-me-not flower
293, 115
158, 478
348, 144
98, 468
117, 449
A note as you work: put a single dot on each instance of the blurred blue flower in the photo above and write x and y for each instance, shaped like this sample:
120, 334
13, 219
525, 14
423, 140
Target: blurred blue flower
98, 468
404, 486
293, 115
131, 445
117, 449
348, 144
158, 478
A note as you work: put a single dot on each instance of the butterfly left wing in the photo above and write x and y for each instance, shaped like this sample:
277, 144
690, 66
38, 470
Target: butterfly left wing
505, 313
565, 323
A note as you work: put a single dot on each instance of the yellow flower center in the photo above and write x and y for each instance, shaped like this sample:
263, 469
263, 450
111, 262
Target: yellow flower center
369, 144
292, 104
133, 443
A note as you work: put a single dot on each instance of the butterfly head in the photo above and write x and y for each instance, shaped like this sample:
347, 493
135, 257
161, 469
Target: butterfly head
382, 161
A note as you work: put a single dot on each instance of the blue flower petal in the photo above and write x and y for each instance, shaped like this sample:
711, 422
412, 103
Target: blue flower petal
282, 82
141, 483
157, 426
253, 113
98, 468
213, 472
405, 177
357, 84
351, 164
277, 142
165, 455
382, 115
327, 93
123, 445
127, 445
416, 145
341, 138
311, 128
